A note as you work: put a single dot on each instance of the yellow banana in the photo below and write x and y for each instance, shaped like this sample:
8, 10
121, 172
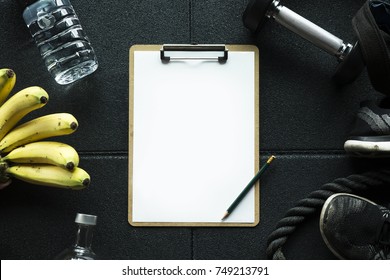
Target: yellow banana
50, 175
47, 152
7, 82
19, 105
38, 129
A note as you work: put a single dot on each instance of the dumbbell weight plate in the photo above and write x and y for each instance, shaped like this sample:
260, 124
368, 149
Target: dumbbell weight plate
255, 14
351, 66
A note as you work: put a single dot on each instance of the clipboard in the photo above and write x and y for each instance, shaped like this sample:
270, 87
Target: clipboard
193, 135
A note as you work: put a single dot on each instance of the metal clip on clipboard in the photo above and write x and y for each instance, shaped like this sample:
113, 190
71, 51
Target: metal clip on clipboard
196, 48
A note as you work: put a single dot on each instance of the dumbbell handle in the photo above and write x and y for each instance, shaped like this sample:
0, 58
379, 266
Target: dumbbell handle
308, 30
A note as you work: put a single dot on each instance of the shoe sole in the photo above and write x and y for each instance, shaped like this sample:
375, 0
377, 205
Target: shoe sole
322, 217
367, 148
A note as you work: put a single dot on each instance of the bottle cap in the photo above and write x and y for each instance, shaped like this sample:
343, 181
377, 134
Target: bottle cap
85, 219
25, 3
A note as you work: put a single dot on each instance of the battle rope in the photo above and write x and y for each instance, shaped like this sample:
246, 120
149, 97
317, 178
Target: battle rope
314, 202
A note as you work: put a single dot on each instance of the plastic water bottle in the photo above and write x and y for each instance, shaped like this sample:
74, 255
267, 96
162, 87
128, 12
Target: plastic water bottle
61, 40
82, 249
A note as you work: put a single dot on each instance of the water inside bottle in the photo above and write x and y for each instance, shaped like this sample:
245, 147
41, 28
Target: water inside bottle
62, 42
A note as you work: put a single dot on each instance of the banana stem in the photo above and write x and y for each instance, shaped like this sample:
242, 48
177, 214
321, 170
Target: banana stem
4, 178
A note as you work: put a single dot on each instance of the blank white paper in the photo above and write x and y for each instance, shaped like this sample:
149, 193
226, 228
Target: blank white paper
194, 138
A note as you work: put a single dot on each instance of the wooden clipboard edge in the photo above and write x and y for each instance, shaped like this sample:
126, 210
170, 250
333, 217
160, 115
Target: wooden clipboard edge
190, 224
255, 50
131, 124
233, 48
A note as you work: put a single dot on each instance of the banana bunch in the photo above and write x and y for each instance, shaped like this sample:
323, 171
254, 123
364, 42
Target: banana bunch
23, 154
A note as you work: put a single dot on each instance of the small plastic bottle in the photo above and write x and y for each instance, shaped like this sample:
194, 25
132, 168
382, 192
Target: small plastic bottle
81, 250
62, 42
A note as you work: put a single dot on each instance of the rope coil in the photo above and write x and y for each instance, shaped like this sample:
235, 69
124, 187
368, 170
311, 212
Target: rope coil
313, 203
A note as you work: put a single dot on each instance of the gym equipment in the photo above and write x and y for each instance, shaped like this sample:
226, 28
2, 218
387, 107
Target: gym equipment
349, 56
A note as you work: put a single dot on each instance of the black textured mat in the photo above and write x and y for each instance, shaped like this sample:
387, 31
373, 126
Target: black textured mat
305, 118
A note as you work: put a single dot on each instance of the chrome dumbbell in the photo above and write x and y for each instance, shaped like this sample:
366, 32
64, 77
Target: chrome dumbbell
349, 56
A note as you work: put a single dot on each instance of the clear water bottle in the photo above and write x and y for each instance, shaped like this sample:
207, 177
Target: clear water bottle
81, 250
61, 40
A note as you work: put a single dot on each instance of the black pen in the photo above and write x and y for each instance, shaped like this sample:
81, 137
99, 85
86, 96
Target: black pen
247, 188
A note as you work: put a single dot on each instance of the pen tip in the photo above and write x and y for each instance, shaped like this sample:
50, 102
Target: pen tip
271, 158
225, 216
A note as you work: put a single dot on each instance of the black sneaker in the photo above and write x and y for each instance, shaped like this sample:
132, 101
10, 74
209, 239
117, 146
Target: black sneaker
370, 136
355, 228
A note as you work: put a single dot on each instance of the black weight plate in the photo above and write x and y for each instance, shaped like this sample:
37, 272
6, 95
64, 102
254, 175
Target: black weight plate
255, 14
